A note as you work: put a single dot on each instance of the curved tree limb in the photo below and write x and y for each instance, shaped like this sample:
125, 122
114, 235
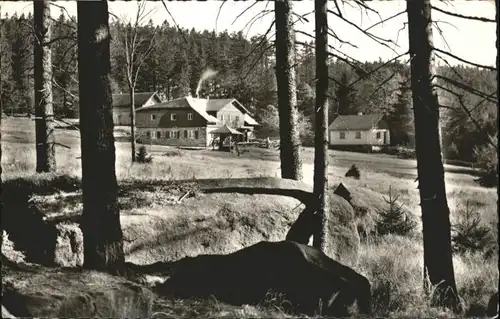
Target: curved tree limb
465, 61
482, 19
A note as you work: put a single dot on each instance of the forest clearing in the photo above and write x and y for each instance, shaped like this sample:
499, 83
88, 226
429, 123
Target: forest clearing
157, 228
319, 159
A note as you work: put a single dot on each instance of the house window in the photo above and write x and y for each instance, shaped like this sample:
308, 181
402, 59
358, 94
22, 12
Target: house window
185, 133
237, 118
173, 117
378, 135
158, 134
190, 134
171, 134
358, 135
229, 117
153, 117
148, 134
222, 117
342, 135
196, 135
190, 116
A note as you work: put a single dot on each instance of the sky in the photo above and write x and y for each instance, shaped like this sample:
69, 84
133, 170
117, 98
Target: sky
471, 40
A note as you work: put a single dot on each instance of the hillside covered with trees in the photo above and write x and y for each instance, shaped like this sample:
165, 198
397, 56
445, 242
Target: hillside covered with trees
246, 71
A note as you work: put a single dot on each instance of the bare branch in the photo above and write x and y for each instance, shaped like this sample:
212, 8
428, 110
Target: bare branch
385, 20
465, 61
65, 10
482, 19
64, 89
261, 40
442, 35
218, 14
242, 12
375, 38
467, 88
250, 23
467, 111
177, 26
334, 35
377, 68
338, 7
256, 60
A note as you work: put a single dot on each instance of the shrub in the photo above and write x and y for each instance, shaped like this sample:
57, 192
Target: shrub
394, 220
469, 235
353, 172
487, 158
143, 156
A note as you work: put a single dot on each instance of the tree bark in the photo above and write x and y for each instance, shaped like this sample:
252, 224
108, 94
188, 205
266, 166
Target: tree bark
44, 111
291, 162
132, 122
321, 122
438, 263
102, 234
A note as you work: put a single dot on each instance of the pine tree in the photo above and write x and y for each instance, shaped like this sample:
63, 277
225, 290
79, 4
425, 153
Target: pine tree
291, 162
400, 118
102, 233
44, 110
438, 262
345, 96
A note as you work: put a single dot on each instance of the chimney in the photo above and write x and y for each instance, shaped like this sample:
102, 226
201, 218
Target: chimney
360, 113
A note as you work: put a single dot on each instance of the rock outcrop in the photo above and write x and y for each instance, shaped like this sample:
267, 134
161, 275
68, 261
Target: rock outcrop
307, 279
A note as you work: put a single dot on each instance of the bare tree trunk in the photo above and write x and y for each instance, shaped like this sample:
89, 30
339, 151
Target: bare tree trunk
321, 122
102, 234
438, 263
132, 122
291, 163
44, 111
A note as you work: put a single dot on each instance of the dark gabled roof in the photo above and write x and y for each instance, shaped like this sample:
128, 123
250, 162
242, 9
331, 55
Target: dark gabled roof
224, 129
121, 100
355, 122
186, 102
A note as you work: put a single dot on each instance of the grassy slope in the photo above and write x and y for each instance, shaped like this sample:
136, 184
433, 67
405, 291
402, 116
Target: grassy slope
395, 279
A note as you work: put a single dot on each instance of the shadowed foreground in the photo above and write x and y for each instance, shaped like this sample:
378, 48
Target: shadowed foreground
309, 280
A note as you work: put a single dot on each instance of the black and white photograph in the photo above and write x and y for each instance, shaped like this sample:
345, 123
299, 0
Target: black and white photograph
249, 159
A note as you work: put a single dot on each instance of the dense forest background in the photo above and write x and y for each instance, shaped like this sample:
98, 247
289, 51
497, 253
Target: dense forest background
246, 72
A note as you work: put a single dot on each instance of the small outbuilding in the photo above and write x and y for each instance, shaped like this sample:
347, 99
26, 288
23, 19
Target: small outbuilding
225, 137
365, 130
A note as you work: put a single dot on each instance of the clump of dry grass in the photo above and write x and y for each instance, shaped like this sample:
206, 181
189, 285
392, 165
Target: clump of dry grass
9, 251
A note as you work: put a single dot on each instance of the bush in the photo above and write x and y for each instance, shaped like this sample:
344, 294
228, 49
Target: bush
487, 158
469, 235
353, 172
143, 156
394, 220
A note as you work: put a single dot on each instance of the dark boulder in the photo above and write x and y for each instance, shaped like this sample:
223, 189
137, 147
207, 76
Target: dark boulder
492, 309
303, 274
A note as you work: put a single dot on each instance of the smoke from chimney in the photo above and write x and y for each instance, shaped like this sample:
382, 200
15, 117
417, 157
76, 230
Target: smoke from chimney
208, 73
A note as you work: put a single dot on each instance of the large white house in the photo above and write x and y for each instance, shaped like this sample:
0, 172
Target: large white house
370, 130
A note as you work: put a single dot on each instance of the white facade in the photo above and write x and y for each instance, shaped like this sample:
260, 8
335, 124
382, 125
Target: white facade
367, 137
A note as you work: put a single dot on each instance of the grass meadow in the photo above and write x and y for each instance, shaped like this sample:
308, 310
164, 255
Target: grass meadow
393, 264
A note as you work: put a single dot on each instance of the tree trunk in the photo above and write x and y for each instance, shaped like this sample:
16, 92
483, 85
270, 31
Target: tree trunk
132, 122
291, 163
438, 263
44, 111
321, 122
102, 234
